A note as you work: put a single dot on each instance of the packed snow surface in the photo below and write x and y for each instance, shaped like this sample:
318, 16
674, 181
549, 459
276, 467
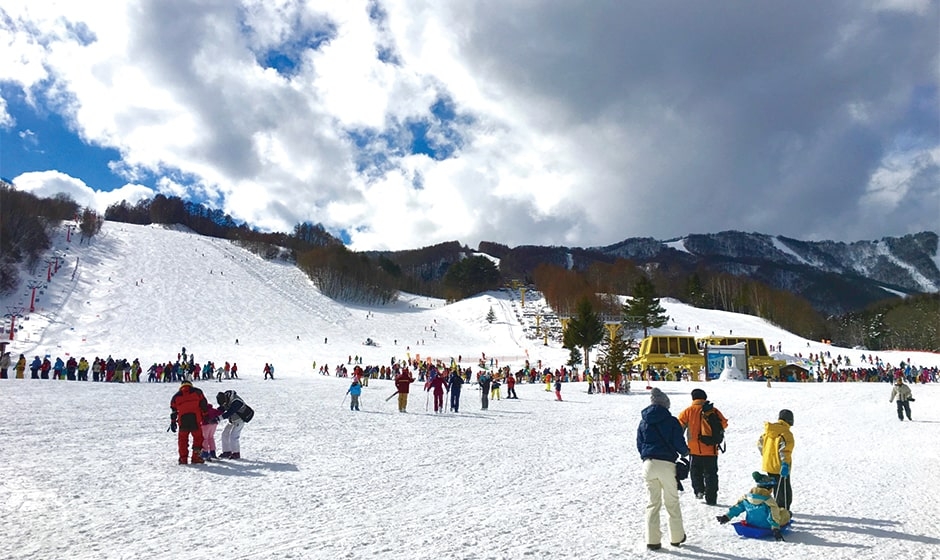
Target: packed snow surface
89, 470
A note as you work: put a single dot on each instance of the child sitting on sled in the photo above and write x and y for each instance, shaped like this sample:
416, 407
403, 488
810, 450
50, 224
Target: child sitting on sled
760, 507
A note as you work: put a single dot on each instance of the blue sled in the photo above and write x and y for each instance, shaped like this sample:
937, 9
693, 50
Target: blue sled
753, 532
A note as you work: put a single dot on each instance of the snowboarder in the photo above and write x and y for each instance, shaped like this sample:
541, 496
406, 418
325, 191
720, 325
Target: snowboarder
902, 393
660, 443
188, 405
760, 508
704, 468
776, 446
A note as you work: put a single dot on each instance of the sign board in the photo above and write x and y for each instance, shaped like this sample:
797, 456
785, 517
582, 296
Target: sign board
717, 358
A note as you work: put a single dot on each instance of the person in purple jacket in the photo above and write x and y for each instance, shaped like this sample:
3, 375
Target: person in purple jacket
660, 441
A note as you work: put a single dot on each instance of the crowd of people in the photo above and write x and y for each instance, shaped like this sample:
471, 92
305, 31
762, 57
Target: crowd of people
116, 370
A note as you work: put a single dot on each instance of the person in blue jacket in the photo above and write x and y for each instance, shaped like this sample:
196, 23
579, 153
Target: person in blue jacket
660, 441
760, 507
355, 389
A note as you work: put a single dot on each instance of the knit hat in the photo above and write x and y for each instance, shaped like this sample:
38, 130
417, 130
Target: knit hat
185, 383
786, 416
659, 398
762, 480
698, 394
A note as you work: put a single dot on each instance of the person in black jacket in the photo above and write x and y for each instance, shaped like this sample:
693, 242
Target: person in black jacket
660, 442
456, 382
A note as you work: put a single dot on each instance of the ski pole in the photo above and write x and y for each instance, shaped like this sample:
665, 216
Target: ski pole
390, 396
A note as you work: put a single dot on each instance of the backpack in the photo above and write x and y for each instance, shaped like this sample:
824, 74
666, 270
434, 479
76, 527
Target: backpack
712, 433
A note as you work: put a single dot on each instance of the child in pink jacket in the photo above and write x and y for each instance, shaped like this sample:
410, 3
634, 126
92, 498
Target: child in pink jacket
210, 421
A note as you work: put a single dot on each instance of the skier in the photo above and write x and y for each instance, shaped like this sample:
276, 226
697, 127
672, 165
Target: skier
403, 383
659, 441
237, 413
188, 406
456, 383
704, 468
438, 384
759, 507
355, 389
35, 366
558, 388
902, 393
776, 446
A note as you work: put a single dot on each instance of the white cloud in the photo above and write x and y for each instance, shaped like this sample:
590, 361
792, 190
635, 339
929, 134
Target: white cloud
51, 183
578, 124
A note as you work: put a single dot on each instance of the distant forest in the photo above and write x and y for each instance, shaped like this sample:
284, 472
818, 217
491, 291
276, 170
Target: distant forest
452, 271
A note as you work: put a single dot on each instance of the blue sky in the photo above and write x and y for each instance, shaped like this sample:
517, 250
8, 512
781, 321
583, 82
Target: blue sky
399, 126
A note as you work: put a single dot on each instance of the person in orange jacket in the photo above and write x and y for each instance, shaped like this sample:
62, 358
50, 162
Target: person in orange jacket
189, 405
703, 472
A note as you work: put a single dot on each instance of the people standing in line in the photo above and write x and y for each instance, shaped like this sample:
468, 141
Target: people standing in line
20, 367
403, 383
903, 394
188, 406
484, 381
355, 389
776, 447
455, 380
660, 442
703, 471
34, 367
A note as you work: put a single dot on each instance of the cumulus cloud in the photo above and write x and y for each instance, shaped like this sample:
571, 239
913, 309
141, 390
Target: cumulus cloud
581, 123
51, 183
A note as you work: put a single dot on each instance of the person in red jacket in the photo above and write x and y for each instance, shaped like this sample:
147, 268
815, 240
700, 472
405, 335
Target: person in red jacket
438, 384
511, 387
403, 383
188, 406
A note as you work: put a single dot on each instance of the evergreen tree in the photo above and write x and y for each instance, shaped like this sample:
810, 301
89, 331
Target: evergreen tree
490, 316
617, 354
644, 309
584, 330
574, 357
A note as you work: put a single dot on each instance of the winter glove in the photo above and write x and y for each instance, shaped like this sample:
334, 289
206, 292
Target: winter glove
172, 427
723, 519
785, 470
778, 536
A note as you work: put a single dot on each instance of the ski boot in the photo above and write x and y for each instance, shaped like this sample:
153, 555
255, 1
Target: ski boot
197, 457
236, 455
226, 455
